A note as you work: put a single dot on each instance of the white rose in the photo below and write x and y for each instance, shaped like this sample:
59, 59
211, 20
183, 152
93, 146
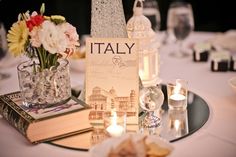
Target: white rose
71, 34
52, 38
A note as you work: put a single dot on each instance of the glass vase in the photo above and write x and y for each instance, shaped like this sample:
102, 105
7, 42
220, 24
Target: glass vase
44, 88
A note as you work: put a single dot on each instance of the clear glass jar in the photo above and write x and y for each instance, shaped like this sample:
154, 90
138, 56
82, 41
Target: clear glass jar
44, 88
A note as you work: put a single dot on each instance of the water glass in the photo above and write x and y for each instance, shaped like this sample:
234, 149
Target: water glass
151, 11
180, 24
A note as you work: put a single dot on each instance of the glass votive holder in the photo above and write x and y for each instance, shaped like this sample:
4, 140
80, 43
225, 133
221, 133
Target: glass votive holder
114, 123
177, 92
178, 123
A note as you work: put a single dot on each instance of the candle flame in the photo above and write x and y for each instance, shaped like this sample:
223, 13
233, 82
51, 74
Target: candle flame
177, 88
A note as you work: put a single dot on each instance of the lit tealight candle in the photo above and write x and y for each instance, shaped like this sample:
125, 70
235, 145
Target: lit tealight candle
177, 100
177, 97
114, 129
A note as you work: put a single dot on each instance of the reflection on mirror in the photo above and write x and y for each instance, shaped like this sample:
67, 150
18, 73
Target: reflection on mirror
176, 124
98, 135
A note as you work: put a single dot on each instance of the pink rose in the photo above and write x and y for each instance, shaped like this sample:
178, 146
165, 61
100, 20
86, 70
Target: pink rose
71, 36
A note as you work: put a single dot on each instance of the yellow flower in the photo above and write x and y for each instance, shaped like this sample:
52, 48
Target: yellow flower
17, 37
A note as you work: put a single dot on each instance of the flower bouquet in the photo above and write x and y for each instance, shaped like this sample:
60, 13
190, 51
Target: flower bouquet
47, 41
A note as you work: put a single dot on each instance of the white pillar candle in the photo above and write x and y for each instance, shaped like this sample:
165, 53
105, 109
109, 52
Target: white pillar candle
144, 72
146, 67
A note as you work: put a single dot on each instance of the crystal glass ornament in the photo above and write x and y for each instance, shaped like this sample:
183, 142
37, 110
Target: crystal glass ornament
139, 27
151, 99
108, 20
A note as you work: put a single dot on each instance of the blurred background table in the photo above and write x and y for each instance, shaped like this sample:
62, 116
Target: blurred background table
216, 138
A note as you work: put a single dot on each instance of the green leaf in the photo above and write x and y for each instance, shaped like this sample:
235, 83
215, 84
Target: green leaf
42, 9
57, 19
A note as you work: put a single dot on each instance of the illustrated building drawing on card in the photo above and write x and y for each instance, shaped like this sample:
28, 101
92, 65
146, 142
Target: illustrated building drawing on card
112, 80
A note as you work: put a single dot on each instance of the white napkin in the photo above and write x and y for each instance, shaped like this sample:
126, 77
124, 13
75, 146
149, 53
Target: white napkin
225, 40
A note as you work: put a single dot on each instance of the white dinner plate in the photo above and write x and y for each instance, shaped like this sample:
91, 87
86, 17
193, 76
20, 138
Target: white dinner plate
103, 149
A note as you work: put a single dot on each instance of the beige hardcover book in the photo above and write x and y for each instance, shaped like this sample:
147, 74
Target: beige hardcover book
45, 124
112, 79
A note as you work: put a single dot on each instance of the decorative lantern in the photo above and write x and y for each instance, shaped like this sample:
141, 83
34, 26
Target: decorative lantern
139, 27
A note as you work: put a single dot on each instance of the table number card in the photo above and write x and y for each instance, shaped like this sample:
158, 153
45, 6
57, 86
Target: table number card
112, 79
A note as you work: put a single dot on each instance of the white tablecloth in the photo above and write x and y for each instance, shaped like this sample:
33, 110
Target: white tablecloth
216, 138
